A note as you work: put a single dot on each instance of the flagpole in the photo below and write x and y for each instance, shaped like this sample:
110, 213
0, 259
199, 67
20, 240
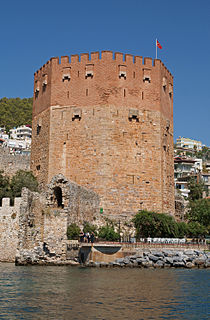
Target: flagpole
156, 48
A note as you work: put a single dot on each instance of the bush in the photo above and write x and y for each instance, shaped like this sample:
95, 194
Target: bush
23, 179
4, 186
196, 230
151, 224
73, 232
87, 227
107, 233
183, 229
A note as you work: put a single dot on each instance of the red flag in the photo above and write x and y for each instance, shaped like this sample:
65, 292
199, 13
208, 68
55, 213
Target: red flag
158, 45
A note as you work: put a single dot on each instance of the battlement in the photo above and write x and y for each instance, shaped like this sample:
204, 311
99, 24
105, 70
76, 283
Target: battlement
104, 56
5, 204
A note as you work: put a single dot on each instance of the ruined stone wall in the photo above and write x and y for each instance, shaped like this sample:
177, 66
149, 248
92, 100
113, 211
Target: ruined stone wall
44, 219
11, 163
108, 126
9, 228
79, 203
42, 231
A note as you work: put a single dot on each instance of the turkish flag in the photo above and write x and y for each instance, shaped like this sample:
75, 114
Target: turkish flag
158, 45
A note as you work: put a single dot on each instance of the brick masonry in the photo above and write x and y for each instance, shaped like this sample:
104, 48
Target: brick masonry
106, 123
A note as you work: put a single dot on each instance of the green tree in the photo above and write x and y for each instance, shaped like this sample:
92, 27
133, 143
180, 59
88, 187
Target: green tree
73, 232
15, 112
23, 179
196, 230
196, 189
4, 186
199, 211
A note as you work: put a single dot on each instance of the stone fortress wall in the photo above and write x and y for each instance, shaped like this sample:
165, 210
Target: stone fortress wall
9, 228
35, 228
11, 163
106, 123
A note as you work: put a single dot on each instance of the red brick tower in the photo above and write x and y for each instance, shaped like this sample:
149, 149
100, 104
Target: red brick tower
107, 124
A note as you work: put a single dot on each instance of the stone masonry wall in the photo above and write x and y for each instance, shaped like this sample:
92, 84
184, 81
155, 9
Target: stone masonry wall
34, 229
9, 228
11, 163
81, 204
107, 124
44, 219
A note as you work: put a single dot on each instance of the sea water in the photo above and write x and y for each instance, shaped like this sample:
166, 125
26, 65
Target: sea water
40, 292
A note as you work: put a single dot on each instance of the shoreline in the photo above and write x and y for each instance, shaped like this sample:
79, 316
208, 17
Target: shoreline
141, 258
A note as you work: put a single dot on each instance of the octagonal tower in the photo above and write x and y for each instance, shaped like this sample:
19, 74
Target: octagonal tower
106, 122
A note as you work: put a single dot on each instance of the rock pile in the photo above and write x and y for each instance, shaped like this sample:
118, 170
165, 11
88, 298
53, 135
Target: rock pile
160, 259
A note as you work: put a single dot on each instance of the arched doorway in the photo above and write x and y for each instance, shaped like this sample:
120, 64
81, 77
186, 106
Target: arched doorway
58, 197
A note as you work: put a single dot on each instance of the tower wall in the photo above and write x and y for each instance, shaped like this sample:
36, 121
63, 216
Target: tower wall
107, 124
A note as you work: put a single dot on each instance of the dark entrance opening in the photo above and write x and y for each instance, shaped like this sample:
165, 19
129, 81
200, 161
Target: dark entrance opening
58, 196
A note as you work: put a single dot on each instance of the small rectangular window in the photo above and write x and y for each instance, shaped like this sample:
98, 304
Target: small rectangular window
133, 115
37, 88
89, 71
122, 71
66, 74
76, 114
38, 129
147, 75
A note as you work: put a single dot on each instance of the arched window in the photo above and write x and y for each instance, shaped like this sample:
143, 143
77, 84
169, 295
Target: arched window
58, 196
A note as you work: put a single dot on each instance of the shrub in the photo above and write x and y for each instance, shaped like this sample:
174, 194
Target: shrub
183, 229
88, 227
4, 186
196, 230
23, 179
151, 224
73, 232
107, 233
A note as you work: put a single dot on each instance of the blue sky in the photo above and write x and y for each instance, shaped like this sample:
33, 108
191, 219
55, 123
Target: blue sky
31, 32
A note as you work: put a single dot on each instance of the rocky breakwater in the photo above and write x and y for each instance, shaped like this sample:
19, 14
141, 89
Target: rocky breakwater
160, 259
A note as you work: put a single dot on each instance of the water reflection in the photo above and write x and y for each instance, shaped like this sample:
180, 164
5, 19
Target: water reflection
79, 293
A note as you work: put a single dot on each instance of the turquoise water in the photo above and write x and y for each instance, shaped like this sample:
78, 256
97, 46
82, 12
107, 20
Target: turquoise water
36, 292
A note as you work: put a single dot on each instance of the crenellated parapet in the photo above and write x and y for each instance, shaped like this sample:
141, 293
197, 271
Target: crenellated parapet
6, 208
76, 80
105, 56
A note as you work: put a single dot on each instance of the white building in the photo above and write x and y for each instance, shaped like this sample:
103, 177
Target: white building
187, 143
17, 145
22, 133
